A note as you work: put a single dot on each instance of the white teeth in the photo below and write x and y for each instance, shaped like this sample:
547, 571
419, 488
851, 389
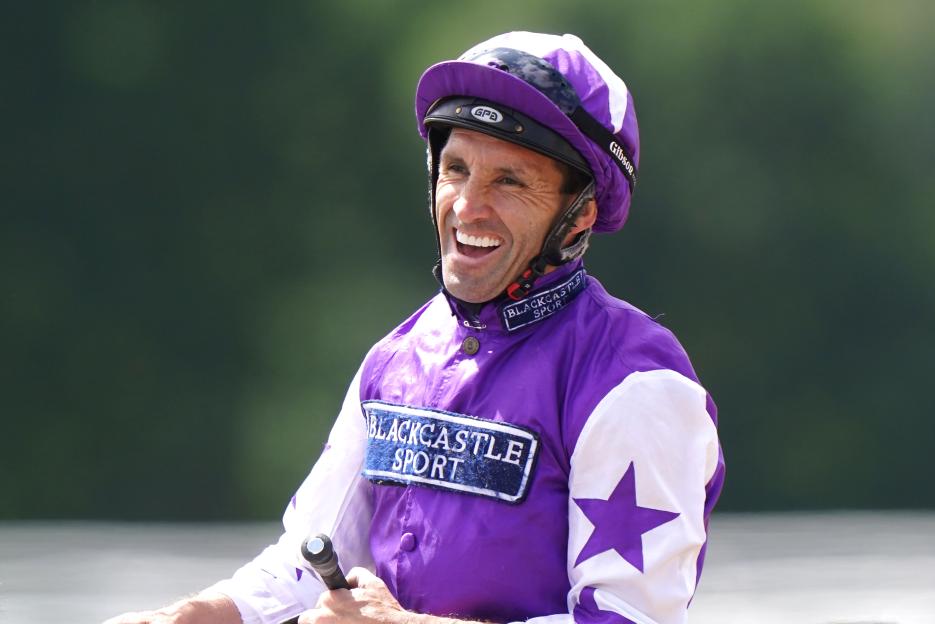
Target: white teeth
476, 241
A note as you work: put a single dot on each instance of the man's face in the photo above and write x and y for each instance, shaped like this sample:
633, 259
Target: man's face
496, 202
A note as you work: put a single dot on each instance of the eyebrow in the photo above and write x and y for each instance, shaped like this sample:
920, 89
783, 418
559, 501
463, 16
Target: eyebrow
517, 172
512, 170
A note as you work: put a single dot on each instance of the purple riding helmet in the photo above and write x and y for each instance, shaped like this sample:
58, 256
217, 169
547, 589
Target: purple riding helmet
551, 94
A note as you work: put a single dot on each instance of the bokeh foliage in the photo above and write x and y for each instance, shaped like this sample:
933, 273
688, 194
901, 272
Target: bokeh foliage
212, 210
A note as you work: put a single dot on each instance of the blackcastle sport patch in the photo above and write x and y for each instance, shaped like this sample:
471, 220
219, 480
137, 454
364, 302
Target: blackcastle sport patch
449, 451
541, 305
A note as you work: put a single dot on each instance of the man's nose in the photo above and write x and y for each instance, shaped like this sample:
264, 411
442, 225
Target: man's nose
472, 203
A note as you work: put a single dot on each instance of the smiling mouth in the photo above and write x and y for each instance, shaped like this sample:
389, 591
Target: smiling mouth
475, 246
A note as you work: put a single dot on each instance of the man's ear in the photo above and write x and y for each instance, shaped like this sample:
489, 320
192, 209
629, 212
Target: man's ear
586, 217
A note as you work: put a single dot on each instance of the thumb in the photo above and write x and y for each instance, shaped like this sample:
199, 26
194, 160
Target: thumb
362, 577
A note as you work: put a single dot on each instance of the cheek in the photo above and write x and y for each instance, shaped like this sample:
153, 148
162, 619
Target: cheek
529, 226
443, 198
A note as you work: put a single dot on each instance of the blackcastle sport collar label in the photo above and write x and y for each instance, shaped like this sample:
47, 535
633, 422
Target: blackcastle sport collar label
419, 446
541, 305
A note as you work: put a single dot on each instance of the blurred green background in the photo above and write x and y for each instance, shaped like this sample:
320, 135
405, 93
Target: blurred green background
212, 210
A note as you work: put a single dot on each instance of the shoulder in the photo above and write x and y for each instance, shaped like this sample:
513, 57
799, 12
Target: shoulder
618, 348
626, 338
434, 311
432, 317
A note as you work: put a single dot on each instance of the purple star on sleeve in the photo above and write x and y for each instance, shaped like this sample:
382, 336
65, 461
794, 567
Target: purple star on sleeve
619, 523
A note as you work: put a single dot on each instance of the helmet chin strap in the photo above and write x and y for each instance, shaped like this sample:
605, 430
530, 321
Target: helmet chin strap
553, 253
437, 138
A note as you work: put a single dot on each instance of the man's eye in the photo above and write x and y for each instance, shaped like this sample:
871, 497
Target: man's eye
510, 181
455, 168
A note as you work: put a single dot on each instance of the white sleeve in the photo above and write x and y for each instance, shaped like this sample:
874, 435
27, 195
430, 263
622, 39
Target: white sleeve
334, 499
636, 502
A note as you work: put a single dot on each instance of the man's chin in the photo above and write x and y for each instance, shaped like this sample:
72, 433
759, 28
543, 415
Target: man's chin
466, 290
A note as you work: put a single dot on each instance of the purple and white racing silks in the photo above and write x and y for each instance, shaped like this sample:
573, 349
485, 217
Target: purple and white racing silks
553, 459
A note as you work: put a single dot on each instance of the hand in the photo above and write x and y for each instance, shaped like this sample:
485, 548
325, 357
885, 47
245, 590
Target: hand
145, 617
368, 601
206, 608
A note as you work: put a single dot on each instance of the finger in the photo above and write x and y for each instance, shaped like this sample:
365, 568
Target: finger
127, 618
329, 600
362, 577
321, 599
310, 617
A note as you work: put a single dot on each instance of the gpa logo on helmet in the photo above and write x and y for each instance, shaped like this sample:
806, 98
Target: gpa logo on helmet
487, 114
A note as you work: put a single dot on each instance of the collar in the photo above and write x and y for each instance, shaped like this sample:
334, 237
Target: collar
553, 291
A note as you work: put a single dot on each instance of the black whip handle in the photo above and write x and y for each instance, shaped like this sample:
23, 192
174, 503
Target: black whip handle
319, 552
